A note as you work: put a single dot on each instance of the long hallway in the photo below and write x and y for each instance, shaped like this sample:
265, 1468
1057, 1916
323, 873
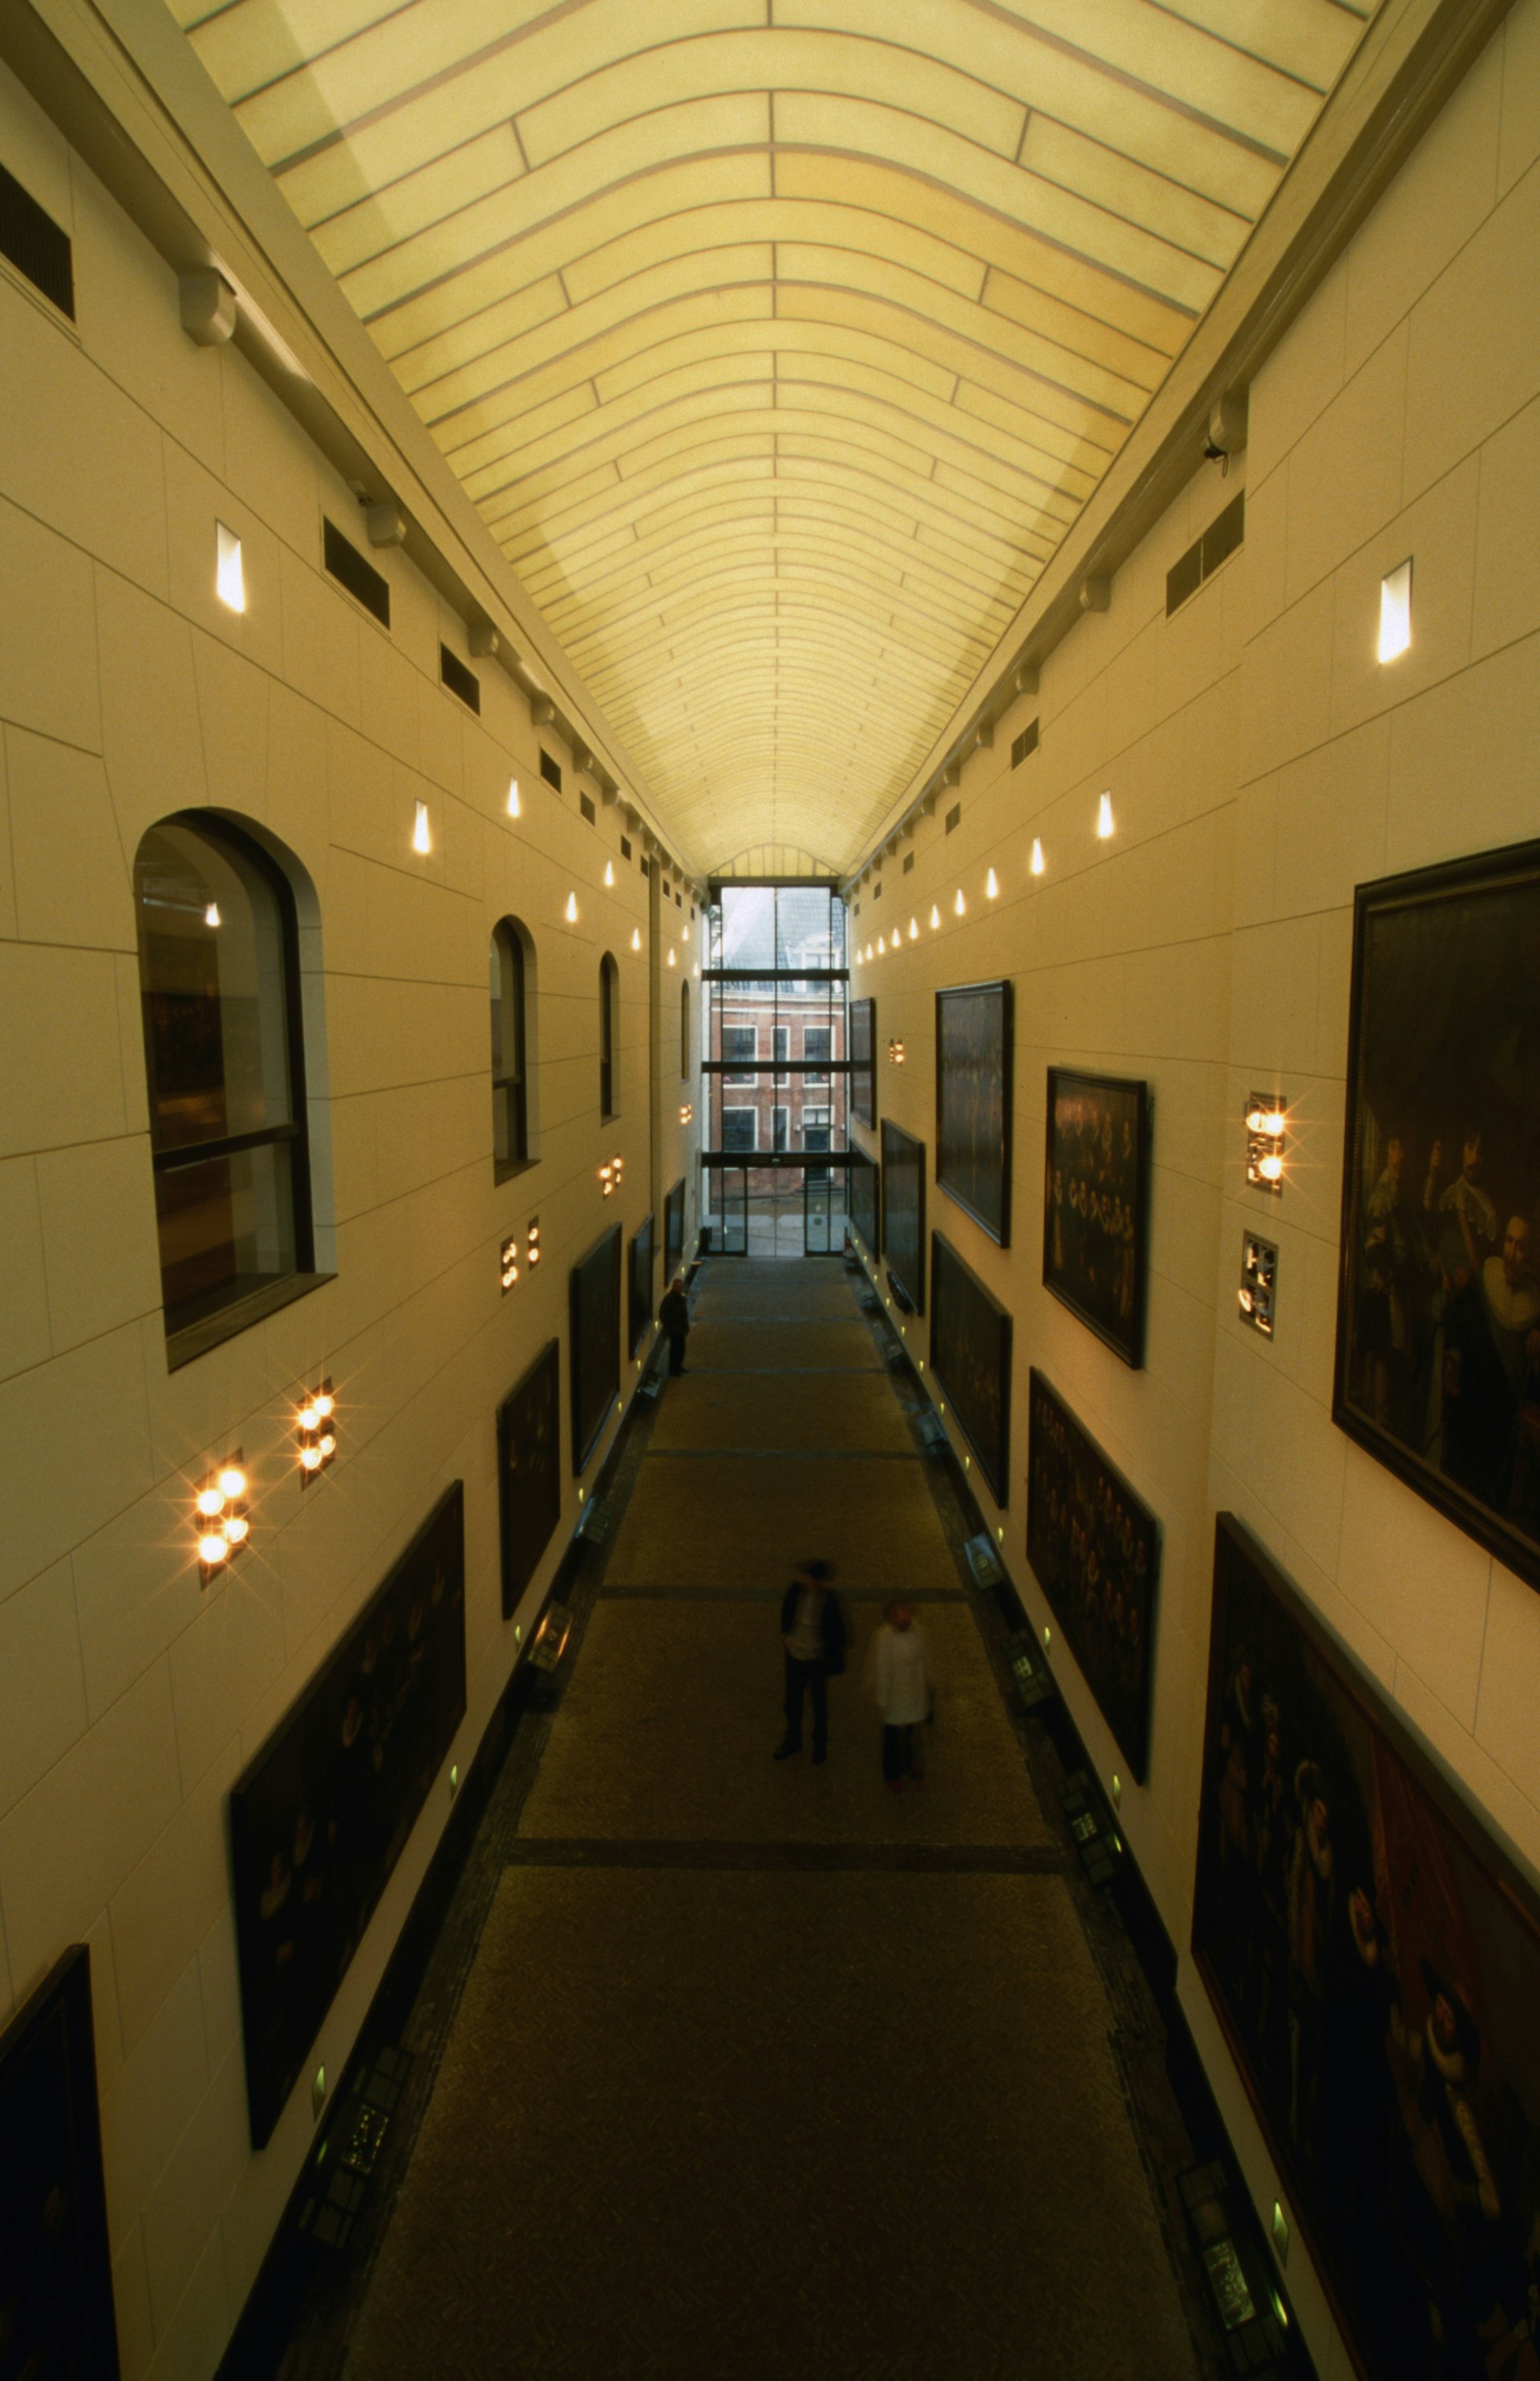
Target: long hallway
760, 2069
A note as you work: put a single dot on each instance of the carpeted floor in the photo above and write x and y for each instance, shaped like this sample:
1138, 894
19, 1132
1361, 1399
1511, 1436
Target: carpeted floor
760, 2070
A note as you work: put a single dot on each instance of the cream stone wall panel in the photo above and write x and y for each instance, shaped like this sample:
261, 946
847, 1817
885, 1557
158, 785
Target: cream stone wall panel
322, 629
181, 2213
43, 1698
1299, 378
1274, 997
1507, 598
1345, 472
219, 1982
197, 503
25, 1337
297, 809
165, 1906
1519, 133
107, 1798
230, 1652
1430, 1605
71, 880
151, 2103
389, 709
232, 695
1473, 357
1504, 1723
48, 673
152, 734
101, 1259
1328, 812
135, 1590
78, 453
131, 2290
1462, 762
1284, 700
128, 316
1440, 533
196, 1412
94, 1396
269, 463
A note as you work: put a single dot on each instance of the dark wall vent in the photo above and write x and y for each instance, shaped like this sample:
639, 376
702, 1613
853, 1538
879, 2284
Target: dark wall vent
1024, 744
587, 808
36, 245
458, 680
908, 861
876, 892
645, 870
678, 900
1218, 543
625, 846
550, 768
954, 816
361, 579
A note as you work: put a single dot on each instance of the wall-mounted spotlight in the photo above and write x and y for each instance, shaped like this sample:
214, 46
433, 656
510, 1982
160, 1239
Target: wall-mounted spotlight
671, 958
881, 947
992, 885
895, 1053
960, 905
211, 916
316, 1429
1259, 1283
914, 930
508, 1263
610, 1174
224, 1526
1104, 818
421, 838
1038, 863
571, 909
1265, 1122
935, 916
1395, 612
609, 871
531, 1242
229, 578
512, 805
636, 938
686, 1113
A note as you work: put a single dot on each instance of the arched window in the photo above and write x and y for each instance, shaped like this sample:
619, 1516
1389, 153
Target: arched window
219, 986
512, 970
684, 1032
609, 1039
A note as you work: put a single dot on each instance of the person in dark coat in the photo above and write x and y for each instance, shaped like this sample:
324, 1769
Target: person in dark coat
674, 1315
812, 1633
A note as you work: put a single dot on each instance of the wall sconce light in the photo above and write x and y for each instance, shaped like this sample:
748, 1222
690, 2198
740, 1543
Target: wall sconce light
1038, 862
1266, 1119
1259, 1283
508, 1263
1395, 612
992, 885
895, 1053
571, 909
960, 905
420, 839
636, 938
609, 871
315, 1428
1104, 818
686, 1113
610, 1174
935, 917
223, 1524
531, 1242
671, 959
914, 930
229, 578
513, 807
211, 916
881, 947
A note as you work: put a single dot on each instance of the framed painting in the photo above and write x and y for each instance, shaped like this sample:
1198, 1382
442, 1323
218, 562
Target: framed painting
56, 2320
639, 1302
1095, 1204
904, 1211
320, 1817
1096, 1548
595, 1319
970, 1359
974, 1064
864, 1200
1374, 1958
1439, 1307
863, 1061
673, 1231
529, 1471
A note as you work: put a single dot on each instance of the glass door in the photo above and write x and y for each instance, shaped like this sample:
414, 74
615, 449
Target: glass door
732, 1205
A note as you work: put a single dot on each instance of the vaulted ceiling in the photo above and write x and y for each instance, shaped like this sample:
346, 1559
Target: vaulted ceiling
777, 342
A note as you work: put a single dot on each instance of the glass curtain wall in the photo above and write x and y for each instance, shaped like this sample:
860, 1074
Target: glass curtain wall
776, 1070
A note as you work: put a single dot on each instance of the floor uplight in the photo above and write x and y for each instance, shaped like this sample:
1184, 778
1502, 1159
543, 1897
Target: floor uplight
1104, 817
229, 578
420, 840
1395, 612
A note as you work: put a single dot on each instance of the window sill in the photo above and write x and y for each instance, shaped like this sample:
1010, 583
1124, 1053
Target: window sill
198, 1338
503, 1170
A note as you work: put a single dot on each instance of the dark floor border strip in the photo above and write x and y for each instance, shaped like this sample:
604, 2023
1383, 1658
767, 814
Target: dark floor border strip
769, 1596
761, 1371
799, 1454
606, 1851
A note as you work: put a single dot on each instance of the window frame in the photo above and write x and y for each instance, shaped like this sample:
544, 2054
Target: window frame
507, 942
610, 1068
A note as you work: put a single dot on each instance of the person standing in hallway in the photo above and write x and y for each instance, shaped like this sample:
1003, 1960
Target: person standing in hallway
901, 1682
812, 1634
674, 1315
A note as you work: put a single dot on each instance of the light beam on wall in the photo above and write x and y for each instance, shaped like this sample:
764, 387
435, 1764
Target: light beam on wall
992, 885
1038, 863
1395, 612
1104, 817
571, 909
420, 839
229, 578
514, 810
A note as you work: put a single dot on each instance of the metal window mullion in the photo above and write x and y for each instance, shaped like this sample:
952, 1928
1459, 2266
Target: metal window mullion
201, 1153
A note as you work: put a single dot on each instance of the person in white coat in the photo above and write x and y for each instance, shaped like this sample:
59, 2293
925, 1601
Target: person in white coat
901, 1682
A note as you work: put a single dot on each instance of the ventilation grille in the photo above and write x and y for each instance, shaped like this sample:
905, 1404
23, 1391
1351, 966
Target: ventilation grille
361, 579
1217, 545
458, 680
1024, 744
36, 245
645, 870
550, 768
954, 816
625, 846
678, 900
876, 892
909, 862
587, 809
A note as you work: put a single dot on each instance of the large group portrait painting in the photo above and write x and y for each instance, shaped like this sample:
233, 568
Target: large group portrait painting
1094, 1201
973, 1070
1375, 1959
1438, 1325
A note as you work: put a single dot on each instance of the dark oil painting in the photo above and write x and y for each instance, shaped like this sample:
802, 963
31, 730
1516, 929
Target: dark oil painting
639, 1301
863, 1062
1374, 1958
1095, 1204
529, 1471
595, 1318
974, 1066
970, 1359
903, 1210
864, 1200
1096, 1548
1439, 1314
321, 1816
673, 1231
57, 2321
